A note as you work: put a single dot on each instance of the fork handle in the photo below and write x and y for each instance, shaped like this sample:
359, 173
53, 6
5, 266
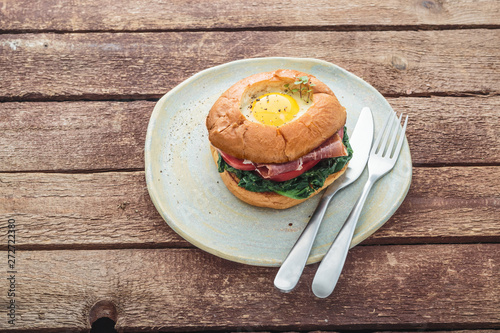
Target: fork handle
329, 270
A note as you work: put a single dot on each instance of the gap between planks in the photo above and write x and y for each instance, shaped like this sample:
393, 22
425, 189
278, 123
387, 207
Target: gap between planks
134, 170
36, 98
340, 28
181, 245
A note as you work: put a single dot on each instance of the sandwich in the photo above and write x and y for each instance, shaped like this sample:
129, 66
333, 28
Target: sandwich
278, 138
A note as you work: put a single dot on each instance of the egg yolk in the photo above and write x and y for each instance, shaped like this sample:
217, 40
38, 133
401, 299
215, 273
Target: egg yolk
274, 109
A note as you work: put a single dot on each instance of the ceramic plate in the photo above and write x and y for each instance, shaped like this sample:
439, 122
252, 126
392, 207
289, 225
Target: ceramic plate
186, 189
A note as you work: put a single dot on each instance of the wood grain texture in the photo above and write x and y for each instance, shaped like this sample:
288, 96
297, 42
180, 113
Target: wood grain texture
78, 83
90, 136
113, 210
133, 15
448, 130
382, 287
73, 135
464, 202
83, 210
145, 65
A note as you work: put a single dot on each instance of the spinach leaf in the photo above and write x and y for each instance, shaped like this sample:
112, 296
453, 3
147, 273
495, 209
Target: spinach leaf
300, 187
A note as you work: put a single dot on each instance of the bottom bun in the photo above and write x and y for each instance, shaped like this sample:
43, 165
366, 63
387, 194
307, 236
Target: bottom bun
266, 199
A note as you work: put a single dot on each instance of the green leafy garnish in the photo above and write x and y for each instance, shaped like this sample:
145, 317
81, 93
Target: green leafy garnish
304, 89
300, 187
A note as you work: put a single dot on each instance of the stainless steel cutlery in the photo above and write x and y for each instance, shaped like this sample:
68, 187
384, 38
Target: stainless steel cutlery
382, 158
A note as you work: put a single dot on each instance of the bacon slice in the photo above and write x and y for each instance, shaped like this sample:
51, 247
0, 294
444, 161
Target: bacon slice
270, 170
332, 147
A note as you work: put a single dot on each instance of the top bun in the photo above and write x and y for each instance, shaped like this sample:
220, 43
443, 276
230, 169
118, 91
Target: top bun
235, 134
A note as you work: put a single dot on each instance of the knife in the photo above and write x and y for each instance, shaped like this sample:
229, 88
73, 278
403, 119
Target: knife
361, 141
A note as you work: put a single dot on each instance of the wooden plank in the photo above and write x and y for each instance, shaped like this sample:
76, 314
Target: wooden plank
382, 287
90, 136
447, 130
113, 210
90, 66
446, 205
83, 210
56, 15
73, 135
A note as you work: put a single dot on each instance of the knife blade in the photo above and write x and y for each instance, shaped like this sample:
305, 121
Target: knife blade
361, 141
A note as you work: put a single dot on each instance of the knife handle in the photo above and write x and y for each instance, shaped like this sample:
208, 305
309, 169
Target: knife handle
329, 270
290, 271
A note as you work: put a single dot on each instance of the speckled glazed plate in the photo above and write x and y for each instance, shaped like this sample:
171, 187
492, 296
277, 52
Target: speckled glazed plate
186, 189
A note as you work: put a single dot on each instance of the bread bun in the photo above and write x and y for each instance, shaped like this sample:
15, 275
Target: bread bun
266, 199
234, 133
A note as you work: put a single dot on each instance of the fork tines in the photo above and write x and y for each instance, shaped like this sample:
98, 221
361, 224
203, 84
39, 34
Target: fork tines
392, 126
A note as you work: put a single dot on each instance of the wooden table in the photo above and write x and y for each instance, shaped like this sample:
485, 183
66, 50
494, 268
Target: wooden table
78, 83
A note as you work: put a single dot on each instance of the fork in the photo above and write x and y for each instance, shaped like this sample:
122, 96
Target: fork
381, 160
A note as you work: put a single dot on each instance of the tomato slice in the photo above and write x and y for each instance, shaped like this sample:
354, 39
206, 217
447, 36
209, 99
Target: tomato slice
236, 162
295, 173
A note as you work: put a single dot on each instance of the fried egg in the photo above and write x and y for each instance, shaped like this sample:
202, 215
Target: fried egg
273, 106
